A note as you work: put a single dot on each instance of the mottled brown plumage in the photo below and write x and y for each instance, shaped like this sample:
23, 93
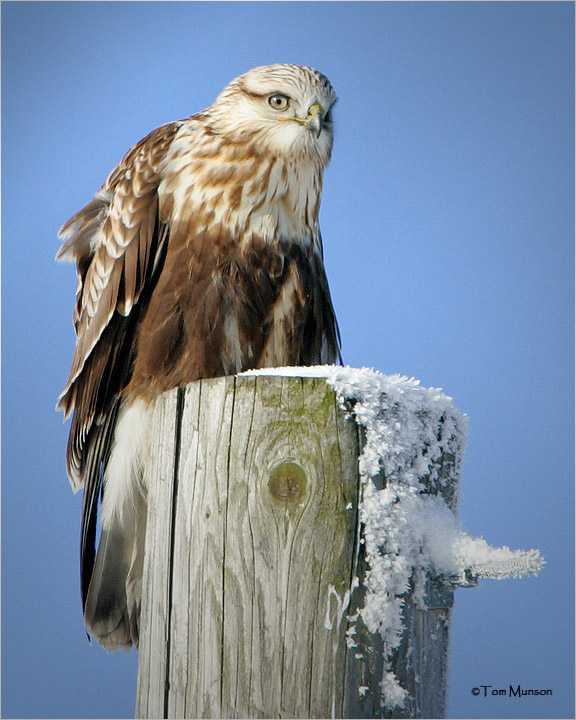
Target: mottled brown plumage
199, 256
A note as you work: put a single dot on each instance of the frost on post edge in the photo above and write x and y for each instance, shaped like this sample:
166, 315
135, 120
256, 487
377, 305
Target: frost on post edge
415, 439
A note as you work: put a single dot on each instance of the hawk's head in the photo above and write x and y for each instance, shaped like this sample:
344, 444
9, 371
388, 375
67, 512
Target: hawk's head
287, 108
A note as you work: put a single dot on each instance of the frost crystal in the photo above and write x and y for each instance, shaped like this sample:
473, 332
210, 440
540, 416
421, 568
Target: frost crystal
414, 439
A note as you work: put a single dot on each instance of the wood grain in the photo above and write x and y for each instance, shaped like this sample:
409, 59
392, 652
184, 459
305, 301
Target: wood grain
252, 550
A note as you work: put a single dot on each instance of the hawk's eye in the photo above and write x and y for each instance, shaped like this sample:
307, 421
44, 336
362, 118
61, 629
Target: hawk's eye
279, 102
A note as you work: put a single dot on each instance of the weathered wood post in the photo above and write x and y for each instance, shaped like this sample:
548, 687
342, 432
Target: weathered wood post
258, 560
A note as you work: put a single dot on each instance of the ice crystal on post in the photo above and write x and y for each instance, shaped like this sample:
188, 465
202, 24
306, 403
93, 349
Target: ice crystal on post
414, 439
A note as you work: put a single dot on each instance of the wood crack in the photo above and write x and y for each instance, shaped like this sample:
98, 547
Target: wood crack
178, 433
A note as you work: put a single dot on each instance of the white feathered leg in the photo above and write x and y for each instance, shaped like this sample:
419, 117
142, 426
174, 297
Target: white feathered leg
114, 596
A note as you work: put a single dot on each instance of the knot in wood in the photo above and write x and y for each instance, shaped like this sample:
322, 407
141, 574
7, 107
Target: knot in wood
287, 483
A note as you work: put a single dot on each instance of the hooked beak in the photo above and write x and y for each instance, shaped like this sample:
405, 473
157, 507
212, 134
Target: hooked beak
315, 119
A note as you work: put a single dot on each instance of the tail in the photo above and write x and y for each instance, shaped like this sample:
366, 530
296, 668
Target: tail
112, 609
113, 586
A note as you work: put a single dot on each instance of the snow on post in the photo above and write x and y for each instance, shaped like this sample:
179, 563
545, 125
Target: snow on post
303, 549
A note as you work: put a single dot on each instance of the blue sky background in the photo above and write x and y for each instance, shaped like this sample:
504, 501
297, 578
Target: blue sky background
447, 220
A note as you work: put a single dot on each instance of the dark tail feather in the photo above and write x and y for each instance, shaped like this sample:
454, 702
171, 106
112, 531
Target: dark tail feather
93, 473
105, 612
112, 607
112, 610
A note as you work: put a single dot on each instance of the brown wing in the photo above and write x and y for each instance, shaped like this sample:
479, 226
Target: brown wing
321, 339
301, 324
118, 242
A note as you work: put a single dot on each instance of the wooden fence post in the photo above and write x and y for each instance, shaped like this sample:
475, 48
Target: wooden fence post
255, 562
